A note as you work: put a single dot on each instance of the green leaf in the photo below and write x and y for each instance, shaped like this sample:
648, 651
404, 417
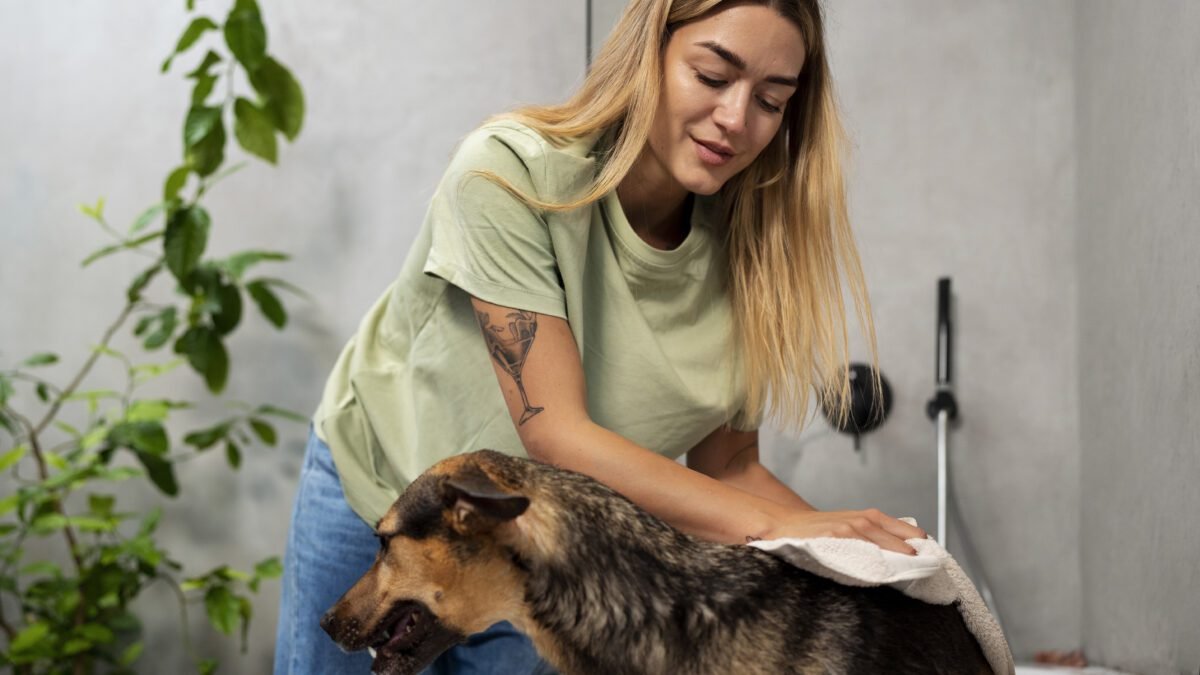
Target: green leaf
270, 568
13, 456
127, 244
210, 59
204, 87
55, 460
143, 436
143, 548
48, 522
43, 392
32, 636
75, 645
43, 359
222, 608
233, 454
94, 437
146, 217
282, 96
63, 426
276, 411
161, 473
187, 236
92, 524
100, 253
150, 522
118, 474
206, 666
101, 505
245, 611
268, 303
166, 329
175, 182
43, 568
94, 212
131, 654
236, 264
96, 633
191, 34
6, 388
206, 438
139, 284
230, 313
206, 354
204, 139
148, 371
254, 130
246, 36
200, 122
10, 503
264, 431
151, 410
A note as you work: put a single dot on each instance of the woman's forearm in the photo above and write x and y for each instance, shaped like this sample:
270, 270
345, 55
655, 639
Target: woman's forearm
756, 479
687, 499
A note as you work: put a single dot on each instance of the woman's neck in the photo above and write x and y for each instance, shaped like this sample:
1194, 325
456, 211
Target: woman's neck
657, 207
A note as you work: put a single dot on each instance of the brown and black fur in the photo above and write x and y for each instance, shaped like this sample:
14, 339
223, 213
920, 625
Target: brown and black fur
604, 588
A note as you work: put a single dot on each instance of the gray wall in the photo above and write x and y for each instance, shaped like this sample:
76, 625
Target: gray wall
390, 88
1138, 240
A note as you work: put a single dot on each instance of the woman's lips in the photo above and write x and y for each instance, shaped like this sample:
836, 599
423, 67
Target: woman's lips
710, 156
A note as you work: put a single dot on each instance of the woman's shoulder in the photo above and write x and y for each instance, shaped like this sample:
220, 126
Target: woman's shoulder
507, 145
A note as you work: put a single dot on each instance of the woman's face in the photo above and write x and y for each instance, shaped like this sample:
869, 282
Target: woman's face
726, 80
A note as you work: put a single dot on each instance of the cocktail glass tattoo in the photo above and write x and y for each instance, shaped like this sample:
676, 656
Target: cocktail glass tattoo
509, 345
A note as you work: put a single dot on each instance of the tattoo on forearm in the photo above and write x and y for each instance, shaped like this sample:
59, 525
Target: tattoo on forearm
509, 344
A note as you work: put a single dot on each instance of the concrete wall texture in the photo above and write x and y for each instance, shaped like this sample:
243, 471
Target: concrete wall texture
1039, 153
1137, 74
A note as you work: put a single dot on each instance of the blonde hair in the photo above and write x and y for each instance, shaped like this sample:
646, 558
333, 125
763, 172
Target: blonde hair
788, 237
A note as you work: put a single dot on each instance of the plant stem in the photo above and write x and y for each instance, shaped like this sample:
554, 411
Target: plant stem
79, 663
87, 367
183, 616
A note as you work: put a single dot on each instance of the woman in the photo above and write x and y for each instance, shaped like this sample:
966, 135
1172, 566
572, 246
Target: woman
654, 265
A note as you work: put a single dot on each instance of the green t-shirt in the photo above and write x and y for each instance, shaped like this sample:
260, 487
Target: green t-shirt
415, 383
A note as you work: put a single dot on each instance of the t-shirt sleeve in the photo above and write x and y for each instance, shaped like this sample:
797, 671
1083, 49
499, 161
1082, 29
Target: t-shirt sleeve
488, 242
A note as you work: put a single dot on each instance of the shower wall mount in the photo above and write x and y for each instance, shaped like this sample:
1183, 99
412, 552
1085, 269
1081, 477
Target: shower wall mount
869, 408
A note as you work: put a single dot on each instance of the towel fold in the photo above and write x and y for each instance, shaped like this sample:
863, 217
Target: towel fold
932, 575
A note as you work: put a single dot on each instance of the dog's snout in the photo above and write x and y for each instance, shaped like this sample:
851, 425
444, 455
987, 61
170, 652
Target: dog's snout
332, 624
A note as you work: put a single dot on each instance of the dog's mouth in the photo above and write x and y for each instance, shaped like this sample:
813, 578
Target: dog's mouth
406, 630
409, 639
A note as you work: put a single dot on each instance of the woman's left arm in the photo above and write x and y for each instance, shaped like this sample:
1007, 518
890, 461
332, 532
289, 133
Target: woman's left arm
732, 457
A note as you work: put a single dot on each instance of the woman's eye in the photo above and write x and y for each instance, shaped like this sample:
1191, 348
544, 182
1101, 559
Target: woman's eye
770, 107
709, 81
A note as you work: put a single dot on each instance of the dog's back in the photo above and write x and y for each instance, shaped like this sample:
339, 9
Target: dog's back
632, 591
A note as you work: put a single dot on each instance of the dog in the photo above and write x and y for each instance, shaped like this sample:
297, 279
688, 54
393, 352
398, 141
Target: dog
604, 588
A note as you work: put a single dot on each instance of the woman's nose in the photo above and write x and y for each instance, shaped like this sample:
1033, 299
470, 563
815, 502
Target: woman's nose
730, 113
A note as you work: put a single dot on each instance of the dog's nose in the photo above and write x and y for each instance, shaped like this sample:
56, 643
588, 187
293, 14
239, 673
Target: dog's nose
329, 623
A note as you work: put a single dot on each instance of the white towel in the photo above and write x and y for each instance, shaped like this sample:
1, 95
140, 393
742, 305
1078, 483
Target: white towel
931, 575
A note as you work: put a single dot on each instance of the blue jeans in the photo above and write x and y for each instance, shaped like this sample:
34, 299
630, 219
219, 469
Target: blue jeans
329, 547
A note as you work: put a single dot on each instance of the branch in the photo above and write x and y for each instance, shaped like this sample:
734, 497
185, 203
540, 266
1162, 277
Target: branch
87, 367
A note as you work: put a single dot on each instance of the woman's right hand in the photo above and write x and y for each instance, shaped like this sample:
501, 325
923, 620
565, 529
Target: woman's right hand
869, 525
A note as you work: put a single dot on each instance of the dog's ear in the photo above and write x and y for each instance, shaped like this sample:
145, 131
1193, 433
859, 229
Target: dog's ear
476, 503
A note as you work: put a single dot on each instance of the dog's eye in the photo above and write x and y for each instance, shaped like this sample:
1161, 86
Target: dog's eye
383, 541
